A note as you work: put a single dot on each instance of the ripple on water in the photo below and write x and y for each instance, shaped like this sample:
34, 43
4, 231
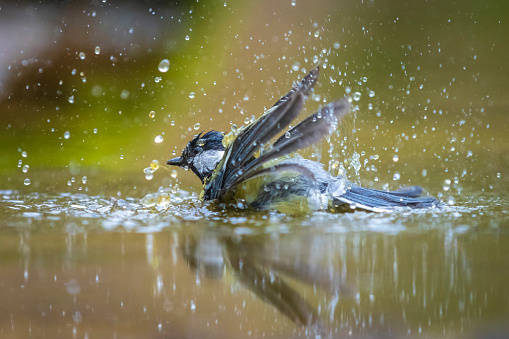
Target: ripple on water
157, 211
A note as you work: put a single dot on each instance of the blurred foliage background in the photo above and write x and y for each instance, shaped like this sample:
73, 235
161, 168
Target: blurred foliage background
79, 80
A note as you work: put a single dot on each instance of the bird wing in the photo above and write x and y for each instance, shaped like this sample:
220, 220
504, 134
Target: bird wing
249, 140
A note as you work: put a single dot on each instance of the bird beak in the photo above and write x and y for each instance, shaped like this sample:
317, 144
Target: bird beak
175, 162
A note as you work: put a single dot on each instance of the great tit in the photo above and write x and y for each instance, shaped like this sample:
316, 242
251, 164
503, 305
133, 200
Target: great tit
244, 167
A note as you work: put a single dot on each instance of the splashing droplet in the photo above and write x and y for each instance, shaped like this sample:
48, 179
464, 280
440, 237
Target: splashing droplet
396, 176
164, 66
152, 114
196, 126
191, 95
356, 96
27, 182
149, 173
158, 139
154, 165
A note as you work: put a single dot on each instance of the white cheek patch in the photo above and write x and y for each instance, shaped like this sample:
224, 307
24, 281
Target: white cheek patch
207, 161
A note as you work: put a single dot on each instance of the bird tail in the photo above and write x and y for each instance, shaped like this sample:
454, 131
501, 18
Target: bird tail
380, 201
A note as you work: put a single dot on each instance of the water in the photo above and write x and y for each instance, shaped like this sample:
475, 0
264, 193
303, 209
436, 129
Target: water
439, 272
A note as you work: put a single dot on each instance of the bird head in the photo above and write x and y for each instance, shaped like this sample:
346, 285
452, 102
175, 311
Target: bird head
202, 154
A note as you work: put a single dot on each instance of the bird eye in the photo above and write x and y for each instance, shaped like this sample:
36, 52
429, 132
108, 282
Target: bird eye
197, 150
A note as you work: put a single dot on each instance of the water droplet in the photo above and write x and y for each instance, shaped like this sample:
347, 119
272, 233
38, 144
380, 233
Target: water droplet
356, 96
174, 174
395, 158
82, 56
396, 176
192, 95
124, 94
25, 168
97, 50
67, 135
24, 154
371, 94
71, 99
152, 114
27, 182
187, 37
296, 66
158, 79
424, 172
158, 139
149, 173
447, 184
154, 165
287, 135
294, 2
175, 188
317, 34
336, 45
196, 126
84, 180
164, 66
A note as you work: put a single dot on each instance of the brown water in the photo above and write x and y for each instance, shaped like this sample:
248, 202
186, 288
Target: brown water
83, 255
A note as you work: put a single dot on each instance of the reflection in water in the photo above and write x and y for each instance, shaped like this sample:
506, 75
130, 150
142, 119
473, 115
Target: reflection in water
80, 266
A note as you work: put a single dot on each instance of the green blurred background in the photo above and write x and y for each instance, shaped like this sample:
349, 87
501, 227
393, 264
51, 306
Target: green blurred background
78, 81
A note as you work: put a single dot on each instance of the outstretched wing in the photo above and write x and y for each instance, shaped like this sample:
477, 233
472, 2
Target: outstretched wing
241, 150
305, 134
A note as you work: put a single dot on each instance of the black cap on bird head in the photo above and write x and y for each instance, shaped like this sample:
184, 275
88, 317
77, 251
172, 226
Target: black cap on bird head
201, 154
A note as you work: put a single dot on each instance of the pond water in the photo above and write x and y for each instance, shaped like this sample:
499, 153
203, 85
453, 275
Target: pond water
91, 246
87, 266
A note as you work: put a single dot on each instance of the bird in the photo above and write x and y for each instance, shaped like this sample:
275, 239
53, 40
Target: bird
244, 168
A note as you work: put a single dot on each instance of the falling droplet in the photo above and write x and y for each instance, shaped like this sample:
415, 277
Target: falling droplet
396, 176
27, 182
152, 114
82, 56
174, 174
149, 173
24, 154
154, 165
67, 135
97, 50
296, 66
294, 2
191, 95
71, 99
196, 126
164, 66
158, 139
84, 180
25, 168
395, 158
124, 94
371, 94
356, 96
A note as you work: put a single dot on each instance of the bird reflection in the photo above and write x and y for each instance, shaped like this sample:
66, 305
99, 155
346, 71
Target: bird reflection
266, 266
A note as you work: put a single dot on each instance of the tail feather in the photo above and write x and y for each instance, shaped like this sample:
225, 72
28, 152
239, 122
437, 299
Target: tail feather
376, 200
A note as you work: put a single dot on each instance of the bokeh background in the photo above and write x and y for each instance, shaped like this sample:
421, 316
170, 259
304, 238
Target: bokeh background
79, 80
92, 92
